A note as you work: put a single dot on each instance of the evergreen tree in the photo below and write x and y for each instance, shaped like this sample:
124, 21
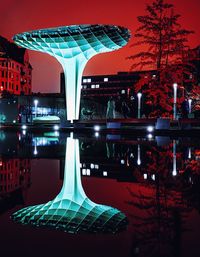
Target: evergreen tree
164, 44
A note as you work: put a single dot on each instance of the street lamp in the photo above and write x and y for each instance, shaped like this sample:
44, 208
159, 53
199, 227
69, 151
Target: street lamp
190, 105
35, 103
139, 96
175, 85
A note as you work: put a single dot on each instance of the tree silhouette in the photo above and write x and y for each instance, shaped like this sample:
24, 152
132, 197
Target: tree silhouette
164, 46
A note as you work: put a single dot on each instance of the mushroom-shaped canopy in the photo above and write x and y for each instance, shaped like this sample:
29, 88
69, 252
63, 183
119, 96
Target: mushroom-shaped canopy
70, 41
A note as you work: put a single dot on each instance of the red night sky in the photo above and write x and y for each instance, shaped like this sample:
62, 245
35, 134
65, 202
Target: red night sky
21, 15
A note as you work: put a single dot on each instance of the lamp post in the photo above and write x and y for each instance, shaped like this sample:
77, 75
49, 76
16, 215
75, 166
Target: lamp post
190, 105
139, 96
175, 85
35, 103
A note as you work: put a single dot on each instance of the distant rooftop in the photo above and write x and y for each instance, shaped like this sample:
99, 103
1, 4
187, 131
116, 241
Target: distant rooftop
11, 50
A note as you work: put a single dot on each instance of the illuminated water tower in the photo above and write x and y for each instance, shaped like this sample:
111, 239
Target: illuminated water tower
73, 46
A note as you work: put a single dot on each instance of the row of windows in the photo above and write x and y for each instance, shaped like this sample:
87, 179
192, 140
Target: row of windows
89, 80
92, 86
6, 74
7, 187
9, 86
10, 64
9, 74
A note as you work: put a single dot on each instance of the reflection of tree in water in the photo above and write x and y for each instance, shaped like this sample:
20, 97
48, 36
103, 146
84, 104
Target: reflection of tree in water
158, 220
191, 191
159, 208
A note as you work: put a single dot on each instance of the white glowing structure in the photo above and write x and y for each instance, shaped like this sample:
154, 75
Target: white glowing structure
71, 210
73, 46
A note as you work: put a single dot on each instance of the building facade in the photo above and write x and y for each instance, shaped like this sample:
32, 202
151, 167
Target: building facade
15, 69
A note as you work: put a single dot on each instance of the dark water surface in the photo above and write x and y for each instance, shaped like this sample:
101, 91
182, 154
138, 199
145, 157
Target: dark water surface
154, 182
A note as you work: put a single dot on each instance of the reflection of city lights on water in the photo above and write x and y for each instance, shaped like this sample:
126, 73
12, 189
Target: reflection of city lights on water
24, 127
145, 176
138, 156
149, 136
150, 128
56, 127
122, 161
96, 134
105, 173
96, 127
189, 153
174, 173
35, 152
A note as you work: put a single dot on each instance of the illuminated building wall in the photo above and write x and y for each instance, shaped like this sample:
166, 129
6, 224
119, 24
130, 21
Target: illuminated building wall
14, 174
15, 69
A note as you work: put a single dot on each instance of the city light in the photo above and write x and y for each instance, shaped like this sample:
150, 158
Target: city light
190, 105
56, 127
96, 134
145, 176
138, 156
24, 127
139, 96
105, 173
96, 127
174, 171
150, 128
122, 161
149, 136
36, 104
175, 86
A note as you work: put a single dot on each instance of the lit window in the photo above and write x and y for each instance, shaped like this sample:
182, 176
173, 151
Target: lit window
84, 80
145, 176
84, 171
92, 86
123, 91
88, 172
105, 79
96, 166
89, 80
105, 173
92, 166
97, 86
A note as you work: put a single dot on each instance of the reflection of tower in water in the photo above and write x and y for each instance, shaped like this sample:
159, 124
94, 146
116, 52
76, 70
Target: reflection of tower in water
71, 210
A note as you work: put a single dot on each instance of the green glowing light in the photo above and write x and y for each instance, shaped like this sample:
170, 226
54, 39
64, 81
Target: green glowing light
46, 119
73, 46
72, 211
